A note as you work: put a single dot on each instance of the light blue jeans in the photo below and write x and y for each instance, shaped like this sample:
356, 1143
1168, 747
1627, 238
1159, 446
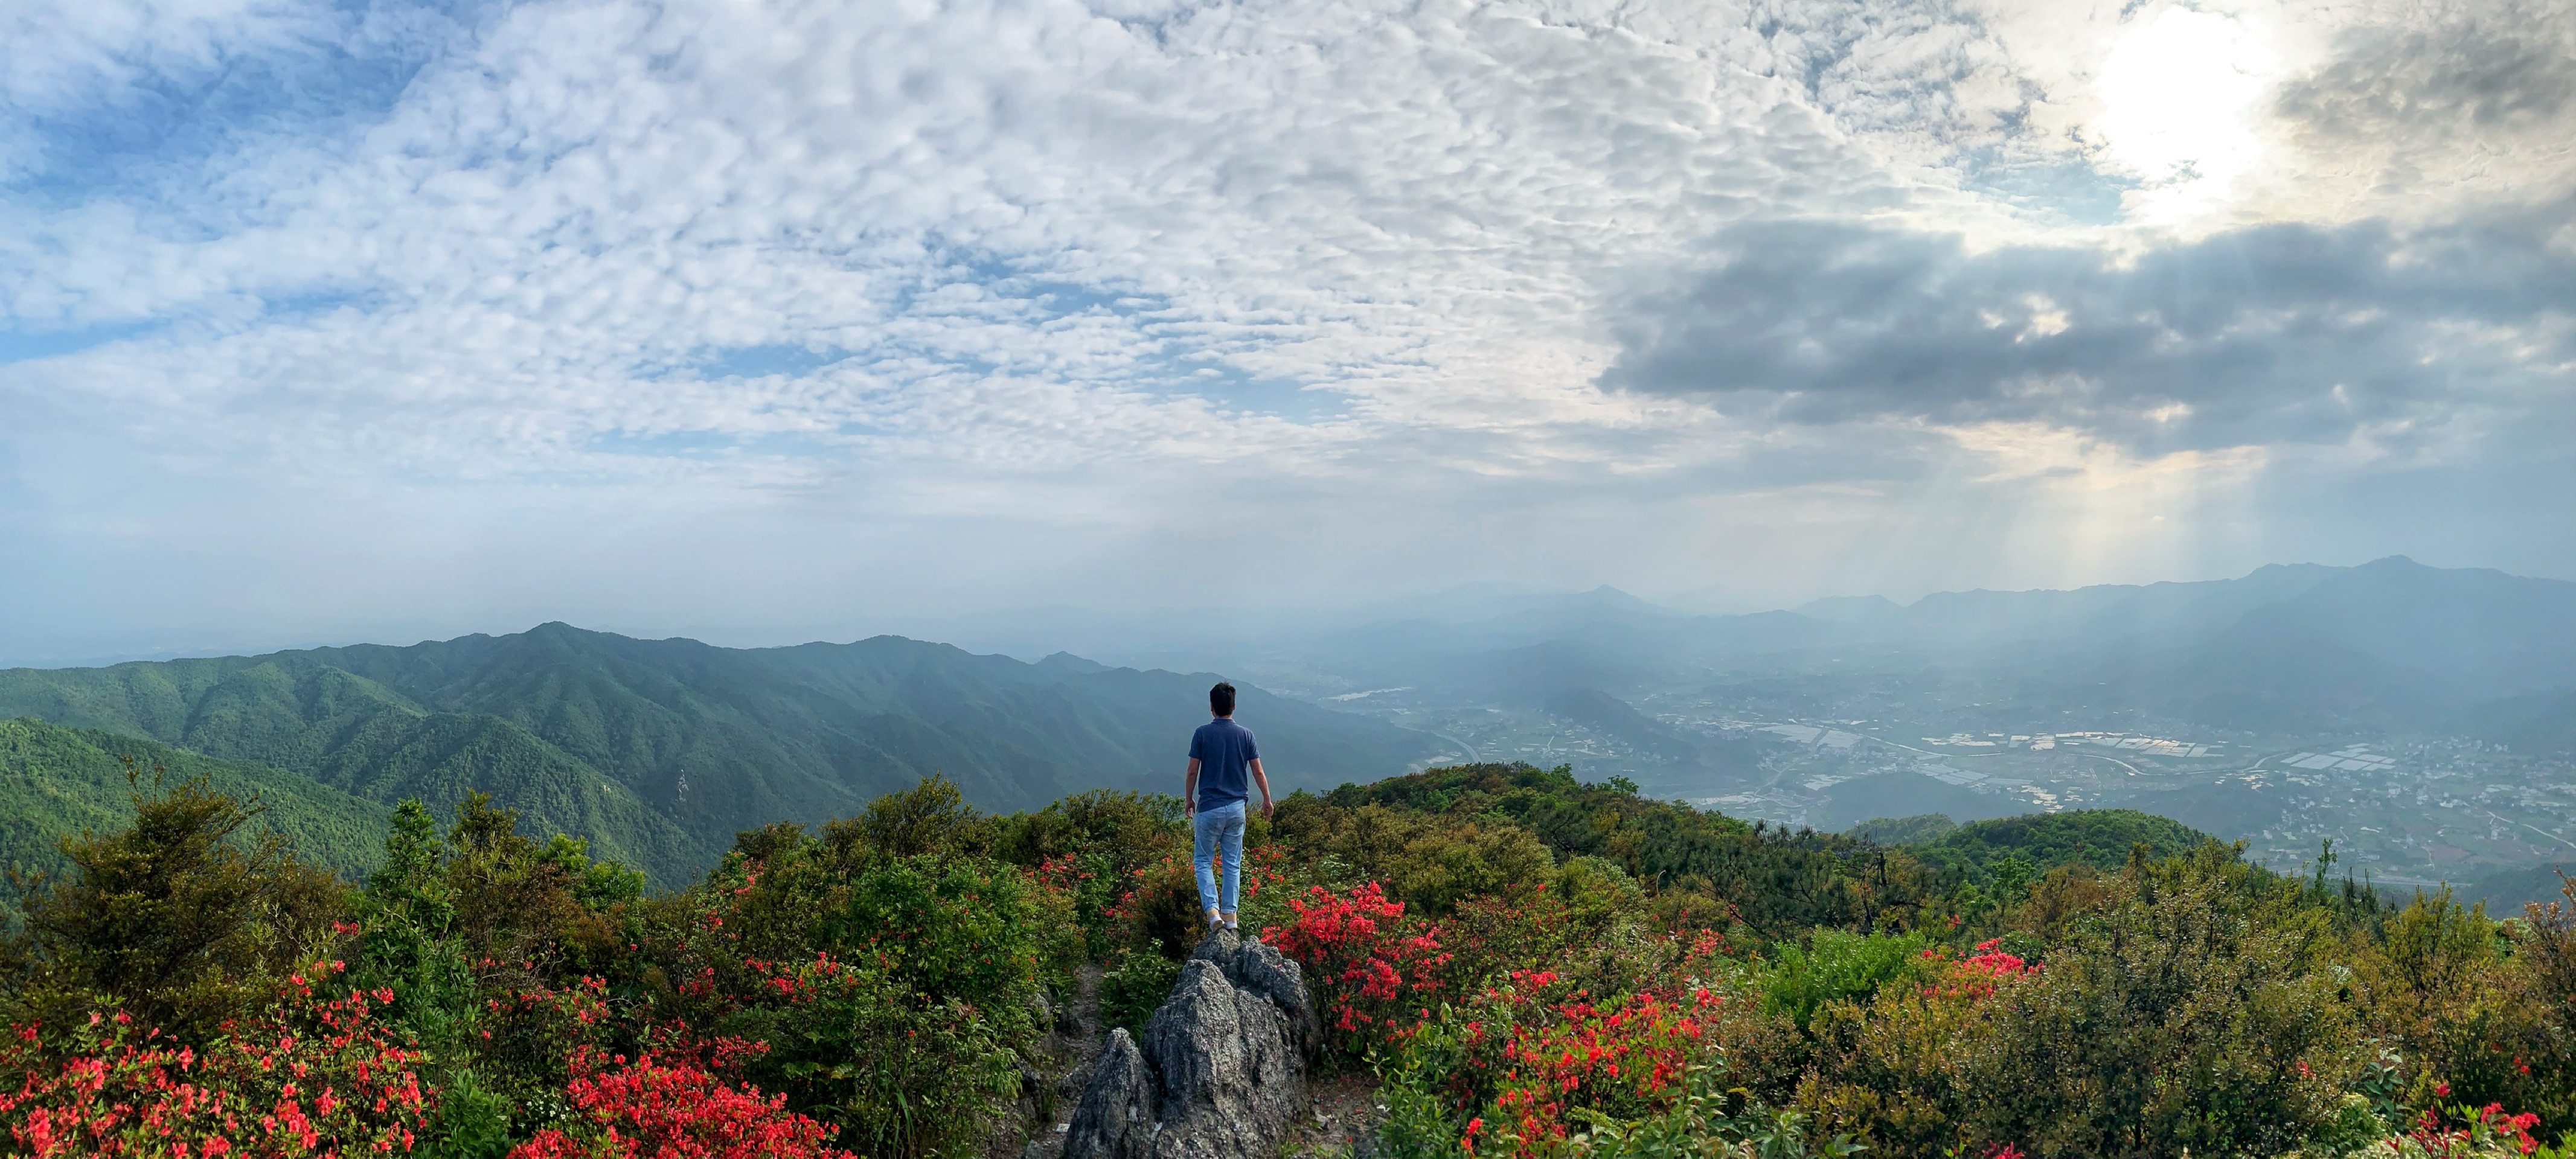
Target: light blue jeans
1212, 830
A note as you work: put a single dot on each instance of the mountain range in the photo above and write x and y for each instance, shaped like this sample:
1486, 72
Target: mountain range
659, 751
2391, 644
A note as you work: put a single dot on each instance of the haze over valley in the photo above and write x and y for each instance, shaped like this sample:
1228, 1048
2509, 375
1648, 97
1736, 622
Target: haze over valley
2417, 717
2421, 718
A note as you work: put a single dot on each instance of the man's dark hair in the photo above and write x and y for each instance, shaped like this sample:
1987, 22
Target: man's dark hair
1221, 699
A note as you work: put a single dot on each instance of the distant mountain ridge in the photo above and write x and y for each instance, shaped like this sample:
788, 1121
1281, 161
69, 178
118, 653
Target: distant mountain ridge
660, 750
2505, 893
2391, 643
2541, 723
1981, 618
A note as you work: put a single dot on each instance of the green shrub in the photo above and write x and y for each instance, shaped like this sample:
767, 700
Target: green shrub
1836, 966
904, 1072
2486, 1008
931, 818
1597, 893
2351, 1128
893, 994
1446, 865
961, 929
176, 919
407, 941
2190, 1011
1779, 882
472, 1122
1133, 987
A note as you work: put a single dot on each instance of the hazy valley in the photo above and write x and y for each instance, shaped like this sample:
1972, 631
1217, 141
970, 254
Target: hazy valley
2423, 719
2419, 718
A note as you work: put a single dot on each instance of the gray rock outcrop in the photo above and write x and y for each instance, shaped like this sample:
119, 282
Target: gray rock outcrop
1221, 1071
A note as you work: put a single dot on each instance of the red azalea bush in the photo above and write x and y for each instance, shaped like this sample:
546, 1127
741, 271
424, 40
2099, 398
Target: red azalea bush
1087, 885
319, 1076
1620, 1058
651, 1109
1375, 971
525, 1025
1976, 975
1487, 937
1580, 1020
1523, 1066
1626, 1060
2464, 1132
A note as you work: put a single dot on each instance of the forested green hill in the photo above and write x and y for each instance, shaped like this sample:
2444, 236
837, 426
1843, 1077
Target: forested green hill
1903, 830
659, 751
2507, 892
2100, 838
56, 782
1775, 880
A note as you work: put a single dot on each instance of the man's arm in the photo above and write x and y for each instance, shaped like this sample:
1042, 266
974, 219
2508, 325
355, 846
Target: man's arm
1190, 790
1258, 778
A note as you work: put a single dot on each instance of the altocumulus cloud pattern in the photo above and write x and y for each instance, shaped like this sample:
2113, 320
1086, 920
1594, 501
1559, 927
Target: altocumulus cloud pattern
477, 308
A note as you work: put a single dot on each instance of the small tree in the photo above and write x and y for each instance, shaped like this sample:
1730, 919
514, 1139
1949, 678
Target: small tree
177, 918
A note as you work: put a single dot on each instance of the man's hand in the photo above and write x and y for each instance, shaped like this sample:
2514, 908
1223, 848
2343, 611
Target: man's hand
1265, 808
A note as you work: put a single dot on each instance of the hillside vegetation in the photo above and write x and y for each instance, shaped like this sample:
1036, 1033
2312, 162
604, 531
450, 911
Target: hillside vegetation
1906, 830
2101, 838
57, 781
1520, 963
2512, 889
659, 751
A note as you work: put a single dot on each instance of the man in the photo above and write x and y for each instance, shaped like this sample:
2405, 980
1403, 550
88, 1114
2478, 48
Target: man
1212, 796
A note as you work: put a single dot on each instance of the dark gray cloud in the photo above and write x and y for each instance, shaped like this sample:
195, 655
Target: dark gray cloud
2492, 71
2283, 333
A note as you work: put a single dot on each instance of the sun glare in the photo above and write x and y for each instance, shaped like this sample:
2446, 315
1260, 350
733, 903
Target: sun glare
2179, 97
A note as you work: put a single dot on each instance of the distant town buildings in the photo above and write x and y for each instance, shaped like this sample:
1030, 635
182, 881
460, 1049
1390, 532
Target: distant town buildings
2350, 758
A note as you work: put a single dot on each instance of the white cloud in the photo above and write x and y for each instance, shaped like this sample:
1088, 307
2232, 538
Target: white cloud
68, 53
1042, 261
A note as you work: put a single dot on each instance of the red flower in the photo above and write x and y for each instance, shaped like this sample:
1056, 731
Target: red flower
103, 1089
650, 1110
1357, 951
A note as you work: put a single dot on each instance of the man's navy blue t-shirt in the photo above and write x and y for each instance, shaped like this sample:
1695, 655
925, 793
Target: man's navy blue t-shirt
1223, 749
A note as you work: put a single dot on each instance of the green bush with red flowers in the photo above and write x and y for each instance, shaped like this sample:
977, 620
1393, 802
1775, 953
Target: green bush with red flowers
649, 1108
317, 1073
1526, 964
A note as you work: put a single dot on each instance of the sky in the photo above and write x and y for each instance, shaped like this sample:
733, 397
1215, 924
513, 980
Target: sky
771, 321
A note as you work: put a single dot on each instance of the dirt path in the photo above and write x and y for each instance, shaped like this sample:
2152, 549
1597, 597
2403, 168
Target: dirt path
1345, 1119
1039, 1133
